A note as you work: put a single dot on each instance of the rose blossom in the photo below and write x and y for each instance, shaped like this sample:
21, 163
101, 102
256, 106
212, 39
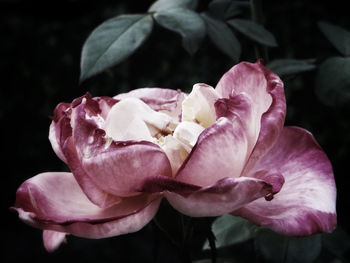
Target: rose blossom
210, 152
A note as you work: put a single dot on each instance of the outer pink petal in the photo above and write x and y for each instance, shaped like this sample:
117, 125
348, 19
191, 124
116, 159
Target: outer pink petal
95, 194
222, 197
265, 90
115, 167
221, 151
60, 128
306, 203
53, 239
54, 201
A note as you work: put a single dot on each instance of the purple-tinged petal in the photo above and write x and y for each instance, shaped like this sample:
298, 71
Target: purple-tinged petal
221, 151
220, 198
248, 78
53, 239
306, 204
54, 201
105, 105
95, 194
240, 106
60, 129
265, 91
158, 184
115, 167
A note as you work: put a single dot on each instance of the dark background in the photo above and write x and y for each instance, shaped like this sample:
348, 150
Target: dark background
40, 50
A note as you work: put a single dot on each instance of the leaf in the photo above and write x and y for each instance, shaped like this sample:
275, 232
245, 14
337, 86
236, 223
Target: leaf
291, 66
277, 248
222, 36
254, 31
185, 22
338, 243
163, 5
333, 81
225, 8
231, 230
113, 41
339, 37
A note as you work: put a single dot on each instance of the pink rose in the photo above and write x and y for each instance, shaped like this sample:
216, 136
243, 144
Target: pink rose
210, 152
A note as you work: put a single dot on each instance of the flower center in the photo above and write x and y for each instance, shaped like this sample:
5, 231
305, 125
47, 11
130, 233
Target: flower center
132, 119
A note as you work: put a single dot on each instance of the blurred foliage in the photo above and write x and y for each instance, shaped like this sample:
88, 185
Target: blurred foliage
40, 67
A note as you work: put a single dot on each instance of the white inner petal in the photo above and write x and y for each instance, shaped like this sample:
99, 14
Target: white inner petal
199, 107
132, 119
188, 132
175, 150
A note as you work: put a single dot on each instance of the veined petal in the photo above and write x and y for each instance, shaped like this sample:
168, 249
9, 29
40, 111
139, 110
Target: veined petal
53, 239
222, 197
115, 167
306, 203
54, 201
264, 90
198, 106
221, 151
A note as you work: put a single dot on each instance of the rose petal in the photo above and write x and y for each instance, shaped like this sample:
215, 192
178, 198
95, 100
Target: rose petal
306, 202
53, 239
265, 91
132, 119
54, 201
115, 167
157, 98
221, 151
188, 132
60, 129
222, 197
198, 106
95, 194
176, 152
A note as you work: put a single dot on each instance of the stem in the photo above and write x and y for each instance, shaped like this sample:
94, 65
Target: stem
211, 239
257, 17
186, 228
156, 241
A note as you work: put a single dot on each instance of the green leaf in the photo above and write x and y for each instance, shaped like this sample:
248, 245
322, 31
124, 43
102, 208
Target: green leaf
333, 81
230, 230
185, 22
338, 243
226, 8
339, 37
277, 248
291, 66
113, 41
163, 5
222, 36
254, 31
